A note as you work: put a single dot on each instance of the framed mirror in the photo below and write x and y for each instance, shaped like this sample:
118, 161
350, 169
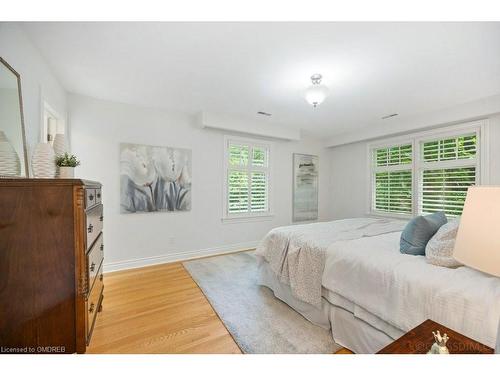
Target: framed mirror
13, 154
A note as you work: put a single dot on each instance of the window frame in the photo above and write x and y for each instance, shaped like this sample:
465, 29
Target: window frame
252, 143
481, 162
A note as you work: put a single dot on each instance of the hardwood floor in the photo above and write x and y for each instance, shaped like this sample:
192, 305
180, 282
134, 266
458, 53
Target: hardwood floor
158, 309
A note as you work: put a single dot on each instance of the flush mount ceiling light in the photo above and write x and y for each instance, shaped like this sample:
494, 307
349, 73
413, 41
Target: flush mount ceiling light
316, 93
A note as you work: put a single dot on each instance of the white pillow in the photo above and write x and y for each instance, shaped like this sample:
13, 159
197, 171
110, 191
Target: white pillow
439, 249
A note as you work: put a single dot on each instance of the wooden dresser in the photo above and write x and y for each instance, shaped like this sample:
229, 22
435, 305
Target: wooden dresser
51, 256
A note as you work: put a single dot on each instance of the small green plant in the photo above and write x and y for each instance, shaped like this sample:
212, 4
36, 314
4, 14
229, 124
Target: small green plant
67, 160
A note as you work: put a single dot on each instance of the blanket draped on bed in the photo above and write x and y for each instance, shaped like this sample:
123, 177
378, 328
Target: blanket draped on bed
297, 253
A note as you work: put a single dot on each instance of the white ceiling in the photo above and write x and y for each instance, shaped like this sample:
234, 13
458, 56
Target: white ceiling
372, 69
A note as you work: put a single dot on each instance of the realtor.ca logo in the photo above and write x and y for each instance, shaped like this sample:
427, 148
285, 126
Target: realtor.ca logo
32, 349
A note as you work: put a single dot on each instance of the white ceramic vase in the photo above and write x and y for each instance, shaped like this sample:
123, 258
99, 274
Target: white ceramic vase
59, 144
10, 165
43, 161
66, 172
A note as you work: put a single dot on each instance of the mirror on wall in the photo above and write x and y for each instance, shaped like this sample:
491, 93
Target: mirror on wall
13, 155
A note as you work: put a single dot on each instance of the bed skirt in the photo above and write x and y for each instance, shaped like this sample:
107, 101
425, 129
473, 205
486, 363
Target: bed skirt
347, 330
283, 292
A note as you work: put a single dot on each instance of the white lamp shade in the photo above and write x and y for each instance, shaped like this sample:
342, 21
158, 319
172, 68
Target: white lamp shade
478, 239
316, 94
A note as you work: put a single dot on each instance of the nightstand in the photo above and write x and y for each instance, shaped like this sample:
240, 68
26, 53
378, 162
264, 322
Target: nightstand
419, 341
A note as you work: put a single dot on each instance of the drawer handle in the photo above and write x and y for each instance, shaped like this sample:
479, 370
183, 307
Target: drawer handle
91, 197
98, 195
90, 228
92, 307
101, 277
101, 247
101, 218
92, 267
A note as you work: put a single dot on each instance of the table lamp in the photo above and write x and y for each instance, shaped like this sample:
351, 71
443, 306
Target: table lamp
478, 239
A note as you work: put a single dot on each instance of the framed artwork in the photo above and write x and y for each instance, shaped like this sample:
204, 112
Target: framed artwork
305, 187
154, 179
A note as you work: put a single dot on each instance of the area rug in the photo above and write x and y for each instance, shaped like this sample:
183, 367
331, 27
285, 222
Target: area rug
258, 322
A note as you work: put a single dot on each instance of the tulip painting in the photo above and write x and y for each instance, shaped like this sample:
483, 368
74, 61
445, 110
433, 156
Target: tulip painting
154, 179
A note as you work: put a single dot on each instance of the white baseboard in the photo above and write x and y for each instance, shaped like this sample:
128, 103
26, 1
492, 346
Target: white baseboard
176, 257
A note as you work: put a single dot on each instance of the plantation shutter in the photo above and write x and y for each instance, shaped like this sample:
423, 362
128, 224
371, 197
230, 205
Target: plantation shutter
393, 179
449, 167
247, 178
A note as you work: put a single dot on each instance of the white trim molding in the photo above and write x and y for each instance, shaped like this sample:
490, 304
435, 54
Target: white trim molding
465, 112
263, 127
178, 257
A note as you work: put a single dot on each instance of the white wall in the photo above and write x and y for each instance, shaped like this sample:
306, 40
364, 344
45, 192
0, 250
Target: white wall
350, 177
37, 81
348, 181
97, 128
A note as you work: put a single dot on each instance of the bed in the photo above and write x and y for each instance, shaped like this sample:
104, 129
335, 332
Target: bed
349, 276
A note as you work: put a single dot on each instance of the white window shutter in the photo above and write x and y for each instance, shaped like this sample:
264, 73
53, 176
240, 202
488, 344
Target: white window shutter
247, 182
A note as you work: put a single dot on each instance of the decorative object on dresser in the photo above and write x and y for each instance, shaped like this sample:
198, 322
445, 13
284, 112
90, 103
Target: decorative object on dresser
51, 261
67, 164
439, 347
13, 155
305, 187
421, 339
478, 243
43, 161
10, 165
59, 146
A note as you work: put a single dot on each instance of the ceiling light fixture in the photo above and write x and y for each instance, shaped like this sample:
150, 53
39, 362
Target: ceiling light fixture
316, 93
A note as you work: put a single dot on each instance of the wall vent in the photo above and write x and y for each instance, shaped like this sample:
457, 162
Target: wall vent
264, 113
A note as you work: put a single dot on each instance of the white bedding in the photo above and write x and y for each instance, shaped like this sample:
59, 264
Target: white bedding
404, 290
296, 254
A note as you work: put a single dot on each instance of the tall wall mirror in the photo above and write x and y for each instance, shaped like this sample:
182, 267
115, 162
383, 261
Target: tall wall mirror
13, 155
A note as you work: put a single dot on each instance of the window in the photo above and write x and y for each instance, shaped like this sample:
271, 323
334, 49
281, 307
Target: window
246, 192
393, 179
448, 168
429, 172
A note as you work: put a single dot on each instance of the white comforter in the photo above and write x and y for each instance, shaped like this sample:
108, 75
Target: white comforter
296, 254
404, 290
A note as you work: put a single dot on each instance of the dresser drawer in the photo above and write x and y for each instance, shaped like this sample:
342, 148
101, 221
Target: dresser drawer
90, 198
94, 302
94, 260
98, 195
94, 224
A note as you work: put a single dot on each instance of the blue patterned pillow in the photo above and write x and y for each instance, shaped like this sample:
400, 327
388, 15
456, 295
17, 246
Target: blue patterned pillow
419, 231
